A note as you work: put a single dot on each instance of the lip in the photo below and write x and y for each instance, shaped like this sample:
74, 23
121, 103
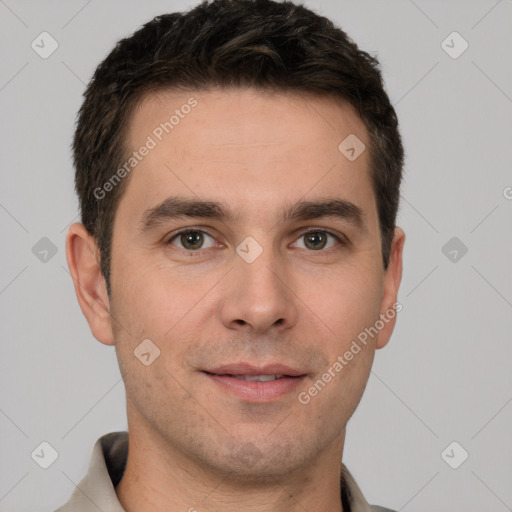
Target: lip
254, 391
249, 369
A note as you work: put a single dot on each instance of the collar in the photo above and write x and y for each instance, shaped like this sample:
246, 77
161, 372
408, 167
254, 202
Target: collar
96, 491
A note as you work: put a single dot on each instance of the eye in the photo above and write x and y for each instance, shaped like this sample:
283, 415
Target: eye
318, 239
191, 239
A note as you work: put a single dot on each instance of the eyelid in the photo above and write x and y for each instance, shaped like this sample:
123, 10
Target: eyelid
189, 229
339, 237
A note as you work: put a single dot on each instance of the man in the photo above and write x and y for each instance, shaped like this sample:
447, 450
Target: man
238, 169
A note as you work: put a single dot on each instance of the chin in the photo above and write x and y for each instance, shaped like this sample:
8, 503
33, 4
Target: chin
262, 460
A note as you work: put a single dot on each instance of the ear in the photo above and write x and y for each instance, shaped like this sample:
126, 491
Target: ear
390, 307
82, 254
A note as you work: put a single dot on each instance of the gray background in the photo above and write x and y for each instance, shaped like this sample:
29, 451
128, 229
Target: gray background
445, 376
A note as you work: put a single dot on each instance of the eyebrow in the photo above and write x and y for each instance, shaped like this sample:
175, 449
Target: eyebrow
177, 208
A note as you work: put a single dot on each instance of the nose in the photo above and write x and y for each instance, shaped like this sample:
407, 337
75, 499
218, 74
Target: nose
259, 295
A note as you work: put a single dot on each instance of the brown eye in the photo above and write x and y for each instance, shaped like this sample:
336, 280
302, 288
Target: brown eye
190, 239
317, 239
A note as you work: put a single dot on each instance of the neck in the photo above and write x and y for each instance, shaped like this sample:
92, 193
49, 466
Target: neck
159, 478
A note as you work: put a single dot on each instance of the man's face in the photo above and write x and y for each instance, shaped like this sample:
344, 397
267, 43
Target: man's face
248, 290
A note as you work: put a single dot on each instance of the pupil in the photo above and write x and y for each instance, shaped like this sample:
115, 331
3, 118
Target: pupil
315, 237
192, 239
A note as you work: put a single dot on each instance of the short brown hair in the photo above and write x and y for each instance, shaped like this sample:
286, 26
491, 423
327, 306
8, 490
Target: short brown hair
280, 46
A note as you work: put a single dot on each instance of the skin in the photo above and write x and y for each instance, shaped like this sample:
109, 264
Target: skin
192, 443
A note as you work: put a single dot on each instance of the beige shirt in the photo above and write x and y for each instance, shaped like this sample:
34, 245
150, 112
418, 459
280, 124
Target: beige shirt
96, 491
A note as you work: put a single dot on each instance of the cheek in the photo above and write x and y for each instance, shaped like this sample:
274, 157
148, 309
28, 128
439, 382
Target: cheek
150, 305
148, 299
164, 306
346, 302
351, 349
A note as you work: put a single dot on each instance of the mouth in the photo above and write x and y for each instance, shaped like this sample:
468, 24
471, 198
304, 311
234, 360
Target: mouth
256, 384
253, 378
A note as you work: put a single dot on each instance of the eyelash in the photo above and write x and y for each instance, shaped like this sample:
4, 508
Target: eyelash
306, 231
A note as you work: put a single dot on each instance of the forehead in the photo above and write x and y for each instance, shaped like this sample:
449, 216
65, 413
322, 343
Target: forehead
243, 117
251, 149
